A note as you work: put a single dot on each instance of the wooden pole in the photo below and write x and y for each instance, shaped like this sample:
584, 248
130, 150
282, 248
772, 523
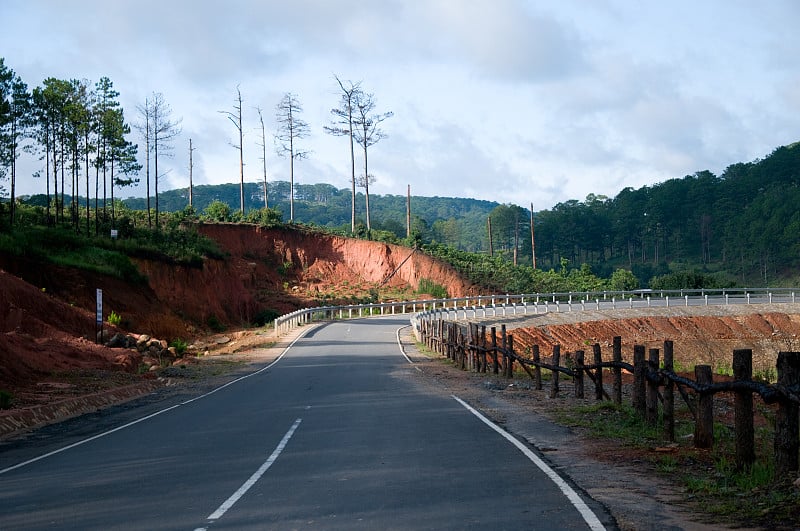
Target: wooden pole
190, 171
537, 371
484, 363
651, 399
669, 394
579, 358
533, 242
639, 371
617, 371
491, 247
510, 365
704, 423
408, 212
598, 374
743, 410
495, 367
786, 418
554, 379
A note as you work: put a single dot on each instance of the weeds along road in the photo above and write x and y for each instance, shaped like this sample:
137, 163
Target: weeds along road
335, 434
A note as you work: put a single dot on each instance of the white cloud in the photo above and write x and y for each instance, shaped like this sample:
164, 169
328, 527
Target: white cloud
508, 100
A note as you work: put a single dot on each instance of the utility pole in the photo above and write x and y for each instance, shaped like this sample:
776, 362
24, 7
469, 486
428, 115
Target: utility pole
408, 212
190, 171
533, 244
489, 223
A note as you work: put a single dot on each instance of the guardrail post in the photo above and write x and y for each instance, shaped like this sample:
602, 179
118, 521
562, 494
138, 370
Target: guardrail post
578, 378
537, 371
598, 373
786, 418
743, 410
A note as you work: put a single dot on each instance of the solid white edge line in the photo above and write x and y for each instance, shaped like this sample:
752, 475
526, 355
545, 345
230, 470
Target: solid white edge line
402, 350
137, 421
588, 515
236, 496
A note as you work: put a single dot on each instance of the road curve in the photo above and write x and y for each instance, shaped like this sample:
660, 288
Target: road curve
333, 435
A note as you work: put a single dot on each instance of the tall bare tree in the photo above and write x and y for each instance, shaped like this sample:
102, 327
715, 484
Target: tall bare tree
159, 130
342, 125
263, 145
367, 132
236, 119
291, 128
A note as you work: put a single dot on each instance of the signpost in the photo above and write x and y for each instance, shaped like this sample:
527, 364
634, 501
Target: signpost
99, 321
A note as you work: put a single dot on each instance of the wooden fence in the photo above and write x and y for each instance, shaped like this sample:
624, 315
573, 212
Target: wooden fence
654, 384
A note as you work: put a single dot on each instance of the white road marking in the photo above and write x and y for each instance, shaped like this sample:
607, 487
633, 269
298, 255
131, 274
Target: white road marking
587, 514
137, 421
257, 475
403, 351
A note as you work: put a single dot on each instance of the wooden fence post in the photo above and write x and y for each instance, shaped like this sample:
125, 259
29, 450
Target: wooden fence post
743, 410
598, 374
504, 346
704, 423
483, 353
554, 379
786, 418
578, 379
495, 368
669, 393
639, 372
461, 348
537, 371
617, 371
651, 397
510, 364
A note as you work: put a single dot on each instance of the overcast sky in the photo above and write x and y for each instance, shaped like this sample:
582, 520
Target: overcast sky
506, 100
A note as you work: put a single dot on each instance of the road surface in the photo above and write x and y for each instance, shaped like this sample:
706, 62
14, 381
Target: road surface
335, 434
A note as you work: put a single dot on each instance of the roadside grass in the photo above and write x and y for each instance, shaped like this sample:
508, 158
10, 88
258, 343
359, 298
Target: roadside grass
709, 478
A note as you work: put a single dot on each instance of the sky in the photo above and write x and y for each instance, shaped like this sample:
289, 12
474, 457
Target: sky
513, 101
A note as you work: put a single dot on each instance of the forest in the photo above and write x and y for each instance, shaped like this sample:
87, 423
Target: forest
740, 227
743, 225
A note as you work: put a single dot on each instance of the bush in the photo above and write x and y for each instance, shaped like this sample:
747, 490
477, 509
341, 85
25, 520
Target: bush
114, 318
266, 316
214, 323
179, 345
6, 399
437, 291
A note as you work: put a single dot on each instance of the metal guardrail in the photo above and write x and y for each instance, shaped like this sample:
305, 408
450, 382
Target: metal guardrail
492, 305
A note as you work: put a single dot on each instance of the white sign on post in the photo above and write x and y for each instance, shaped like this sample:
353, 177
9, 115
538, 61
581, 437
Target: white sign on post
99, 306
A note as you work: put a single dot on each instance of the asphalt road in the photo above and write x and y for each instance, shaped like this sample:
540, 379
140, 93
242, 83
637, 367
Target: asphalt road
333, 435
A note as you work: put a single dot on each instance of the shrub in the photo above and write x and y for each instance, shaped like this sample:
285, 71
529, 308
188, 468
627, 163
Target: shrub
179, 345
214, 323
6, 399
114, 318
437, 291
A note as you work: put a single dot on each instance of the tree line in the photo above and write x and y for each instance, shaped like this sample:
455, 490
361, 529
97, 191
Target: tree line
740, 226
80, 132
